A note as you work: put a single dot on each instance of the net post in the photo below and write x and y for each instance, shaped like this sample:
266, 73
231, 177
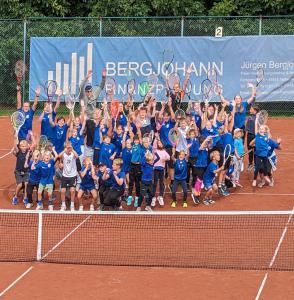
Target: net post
39, 240
24, 57
182, 26
100, 27
260, 26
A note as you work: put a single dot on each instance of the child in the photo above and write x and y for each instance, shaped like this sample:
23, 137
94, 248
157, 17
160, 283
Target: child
159, 167
34, 177
238, 157
47, 171
180, 177
193, 148
87, 183
146, 181
21, 171
272, 158
69, 175
261, 153
209, 177
200, 167
126, 157
112, 198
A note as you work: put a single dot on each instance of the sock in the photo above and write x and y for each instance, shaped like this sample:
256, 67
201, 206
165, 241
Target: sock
72, 203
63, 203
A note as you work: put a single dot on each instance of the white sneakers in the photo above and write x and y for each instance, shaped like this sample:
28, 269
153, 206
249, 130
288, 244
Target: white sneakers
159, 199
153, 202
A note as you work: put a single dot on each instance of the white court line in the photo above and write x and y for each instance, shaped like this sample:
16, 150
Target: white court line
67, 236
5, 154
275, 255
16, 281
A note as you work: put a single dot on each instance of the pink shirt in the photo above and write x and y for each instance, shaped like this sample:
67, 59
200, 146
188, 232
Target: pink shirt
163, 158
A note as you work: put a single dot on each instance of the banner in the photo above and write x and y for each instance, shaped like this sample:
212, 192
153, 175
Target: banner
236, 59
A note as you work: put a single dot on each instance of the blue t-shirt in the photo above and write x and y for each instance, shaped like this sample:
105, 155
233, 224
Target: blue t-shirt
227, 139
194, 149
180, 169
126, 157
197, 119
239, 146
209, 175
87, 181
115, 185
147, 171
97, 142
47, 172
35, 174
121, 120
46, 128
117, 142
60, 137
202, 158
109, 181
28, 124
164, 131
76, 144
81, 136
240, 116
272, 145
261, 145
105, 153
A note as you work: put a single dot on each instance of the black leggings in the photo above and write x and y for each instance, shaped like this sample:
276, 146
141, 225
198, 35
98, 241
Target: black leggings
261, 166
135, 178
191, 162
158, 177
112, 197
30, 190
146, 193
250, 138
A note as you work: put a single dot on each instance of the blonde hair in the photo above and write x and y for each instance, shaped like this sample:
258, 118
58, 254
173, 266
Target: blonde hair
236, 131
149, 156
23, 143
213, 154
118, 162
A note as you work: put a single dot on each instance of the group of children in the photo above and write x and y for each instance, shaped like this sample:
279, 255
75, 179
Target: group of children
107, 157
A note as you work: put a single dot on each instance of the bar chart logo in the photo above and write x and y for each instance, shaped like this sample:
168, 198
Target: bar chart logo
69, 76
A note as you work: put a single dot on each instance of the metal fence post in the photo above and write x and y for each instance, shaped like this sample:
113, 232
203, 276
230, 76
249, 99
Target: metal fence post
182, 26
24, 57
260, 25
100, 27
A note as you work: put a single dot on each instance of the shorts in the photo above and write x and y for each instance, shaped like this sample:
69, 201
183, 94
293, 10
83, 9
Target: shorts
48, 187
68, 182
87, 187
170, 162
21, 177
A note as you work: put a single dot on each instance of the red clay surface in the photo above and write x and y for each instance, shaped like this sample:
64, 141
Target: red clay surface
53, 281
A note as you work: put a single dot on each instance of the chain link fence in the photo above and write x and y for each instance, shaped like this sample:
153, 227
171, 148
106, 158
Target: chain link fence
15, 40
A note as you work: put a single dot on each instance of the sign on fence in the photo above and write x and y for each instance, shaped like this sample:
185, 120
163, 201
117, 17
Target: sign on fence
236, 59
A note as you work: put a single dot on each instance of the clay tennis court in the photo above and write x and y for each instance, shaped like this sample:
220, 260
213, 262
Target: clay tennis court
27, 280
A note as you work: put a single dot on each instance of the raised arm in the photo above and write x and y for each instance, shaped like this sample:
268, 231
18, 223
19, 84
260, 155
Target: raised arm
18, 96
98, 90
253, 93
37, 95
59, 93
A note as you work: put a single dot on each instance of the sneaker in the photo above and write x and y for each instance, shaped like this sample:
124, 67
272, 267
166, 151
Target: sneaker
29, 205
226, 193
148, 208
25, 201
153, 203
81, 208
271, 183
72, 207
14, 201
92, 207
138, 209
50, 207
63, 207
39, 206
185, 204
101, 207
136, 202
160, 201
211, 201
173, 204
220, 191
195, 199
129, 200
261, 184
238, 184
254, 183
206, 202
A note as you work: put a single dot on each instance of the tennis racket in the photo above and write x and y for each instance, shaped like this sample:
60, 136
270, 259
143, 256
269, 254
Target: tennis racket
131, 86
19, 70
180, 115
173, 136
143, 88
149, 136
187, 91
50, 88
227, 153
173, 80
17, 120
110, 88
130, 74
69, 102
212, 75
262, 118
206, 90
167, 57
43, 140
259, 76
152, 80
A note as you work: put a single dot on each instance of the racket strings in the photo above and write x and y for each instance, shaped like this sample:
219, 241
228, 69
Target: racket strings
18, 119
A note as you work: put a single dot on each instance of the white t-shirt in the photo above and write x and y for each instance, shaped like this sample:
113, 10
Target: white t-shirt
69, 165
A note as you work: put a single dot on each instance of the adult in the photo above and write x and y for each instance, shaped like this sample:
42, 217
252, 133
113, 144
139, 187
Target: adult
27, 111
88, 99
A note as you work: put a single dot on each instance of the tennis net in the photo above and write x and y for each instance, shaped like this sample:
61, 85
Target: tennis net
233, 240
